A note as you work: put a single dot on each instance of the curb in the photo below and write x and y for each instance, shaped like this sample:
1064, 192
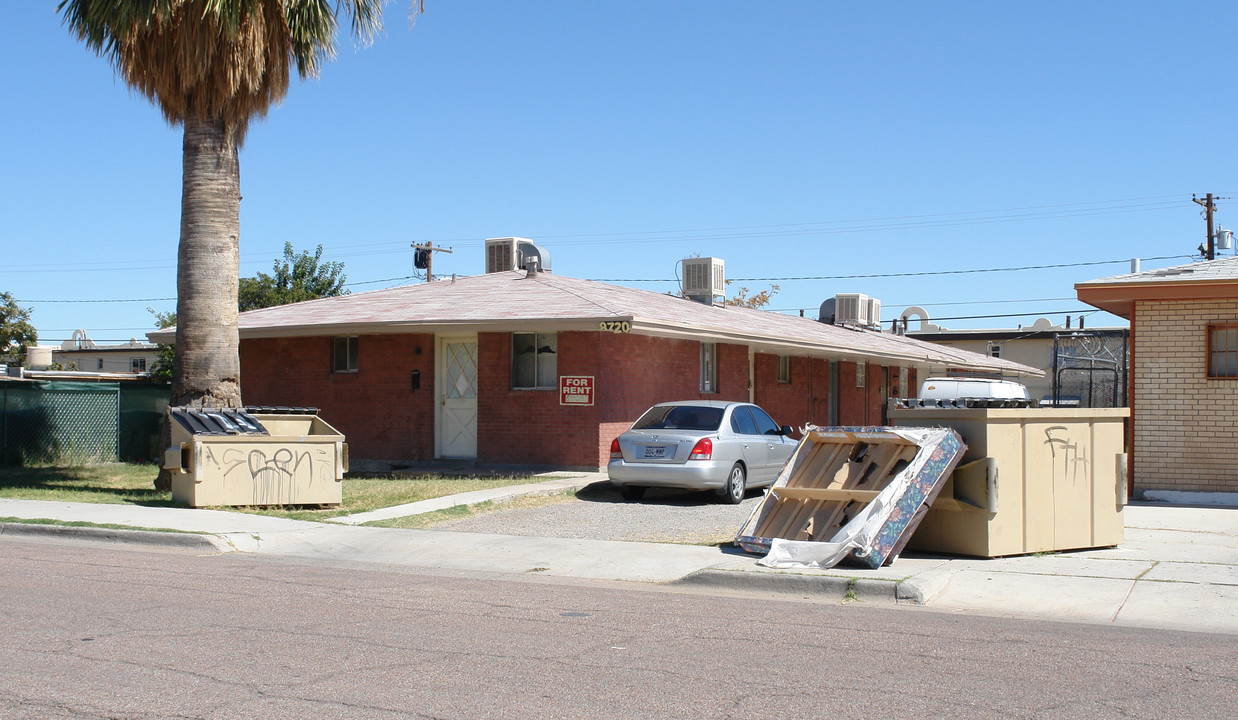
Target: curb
835, 586
130, 537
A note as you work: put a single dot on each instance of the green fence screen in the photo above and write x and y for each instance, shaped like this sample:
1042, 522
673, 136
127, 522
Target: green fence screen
62, 422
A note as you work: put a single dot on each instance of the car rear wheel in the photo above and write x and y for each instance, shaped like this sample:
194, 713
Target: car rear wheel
632, 492
736, 484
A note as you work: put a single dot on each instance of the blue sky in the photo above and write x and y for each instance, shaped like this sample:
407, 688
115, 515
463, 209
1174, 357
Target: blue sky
793, 140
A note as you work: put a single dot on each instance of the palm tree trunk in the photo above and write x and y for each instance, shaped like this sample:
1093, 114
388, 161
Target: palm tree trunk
207, 371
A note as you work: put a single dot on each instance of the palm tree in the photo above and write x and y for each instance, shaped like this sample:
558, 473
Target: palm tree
211, 66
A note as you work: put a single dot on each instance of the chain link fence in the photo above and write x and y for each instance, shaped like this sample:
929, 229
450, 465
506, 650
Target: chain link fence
1090, 369
74, 423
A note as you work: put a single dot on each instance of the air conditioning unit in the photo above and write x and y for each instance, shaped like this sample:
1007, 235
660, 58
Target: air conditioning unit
501, 254
874, 313
851, 309
513, 253
704, 278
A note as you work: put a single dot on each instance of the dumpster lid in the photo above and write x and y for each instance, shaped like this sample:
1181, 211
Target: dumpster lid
281, 410
217, 421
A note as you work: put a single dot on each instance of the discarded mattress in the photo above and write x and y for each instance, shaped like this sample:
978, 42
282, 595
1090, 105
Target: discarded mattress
851, 494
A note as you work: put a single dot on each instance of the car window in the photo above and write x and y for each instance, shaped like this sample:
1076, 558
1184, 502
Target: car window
765, 423
680, 417
741, 421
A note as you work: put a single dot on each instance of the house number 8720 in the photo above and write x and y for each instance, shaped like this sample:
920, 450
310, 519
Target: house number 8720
616, 326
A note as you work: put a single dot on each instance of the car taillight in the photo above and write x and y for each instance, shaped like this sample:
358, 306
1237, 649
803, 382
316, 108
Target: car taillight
703, 450
615, 452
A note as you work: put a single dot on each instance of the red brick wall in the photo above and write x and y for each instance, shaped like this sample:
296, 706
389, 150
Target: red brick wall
638, 371
381, 416
530, 426
384, 419
803, 401
806, 399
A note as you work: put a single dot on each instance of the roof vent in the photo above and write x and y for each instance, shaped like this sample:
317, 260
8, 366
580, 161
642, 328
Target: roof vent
827, 314
704, 279
513, 253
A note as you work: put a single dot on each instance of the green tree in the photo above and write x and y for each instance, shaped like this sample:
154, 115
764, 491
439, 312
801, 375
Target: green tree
211, 66
165, 360
295, 278
16, 332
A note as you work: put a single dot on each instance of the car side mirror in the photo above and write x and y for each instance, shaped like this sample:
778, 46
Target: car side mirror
787, 431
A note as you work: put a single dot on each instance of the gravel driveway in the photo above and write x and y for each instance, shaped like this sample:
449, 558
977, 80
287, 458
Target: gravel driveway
598, 513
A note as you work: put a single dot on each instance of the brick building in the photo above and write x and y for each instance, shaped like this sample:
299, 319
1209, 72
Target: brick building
1184, 372
542, 369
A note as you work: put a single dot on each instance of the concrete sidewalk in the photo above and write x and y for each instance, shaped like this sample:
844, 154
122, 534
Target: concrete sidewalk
1178, 566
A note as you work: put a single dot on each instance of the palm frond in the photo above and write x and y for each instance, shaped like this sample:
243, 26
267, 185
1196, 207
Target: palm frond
216, 59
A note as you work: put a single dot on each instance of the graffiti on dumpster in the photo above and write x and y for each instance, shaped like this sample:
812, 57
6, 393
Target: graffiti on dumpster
276, 477
1071, 454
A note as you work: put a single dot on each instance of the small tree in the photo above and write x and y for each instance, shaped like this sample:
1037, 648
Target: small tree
295, 278
756, 302
16, 332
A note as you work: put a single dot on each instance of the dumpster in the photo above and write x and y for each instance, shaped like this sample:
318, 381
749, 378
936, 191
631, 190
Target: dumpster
256, 456
1032, 479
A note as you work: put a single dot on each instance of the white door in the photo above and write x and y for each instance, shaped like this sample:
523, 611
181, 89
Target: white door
457, 396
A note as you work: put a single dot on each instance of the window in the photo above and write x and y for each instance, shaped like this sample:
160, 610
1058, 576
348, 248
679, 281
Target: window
345, 355
1223, 351
995, 350
534, 360
784, 368
100, 361
861, 374
137, 365
765, 423
741, 421
709, 368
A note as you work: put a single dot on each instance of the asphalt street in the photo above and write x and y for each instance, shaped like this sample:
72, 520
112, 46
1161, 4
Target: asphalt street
92, 630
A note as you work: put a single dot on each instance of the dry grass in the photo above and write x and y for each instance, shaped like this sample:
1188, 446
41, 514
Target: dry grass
110, 483
133, 484
372, 493
460, 512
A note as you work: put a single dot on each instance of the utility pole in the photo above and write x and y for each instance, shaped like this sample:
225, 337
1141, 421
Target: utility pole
1209, 208
423, 258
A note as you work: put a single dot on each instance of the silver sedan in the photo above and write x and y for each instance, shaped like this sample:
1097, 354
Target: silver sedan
726, 447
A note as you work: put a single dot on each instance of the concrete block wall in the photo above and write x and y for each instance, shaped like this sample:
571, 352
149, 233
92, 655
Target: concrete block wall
1184, 422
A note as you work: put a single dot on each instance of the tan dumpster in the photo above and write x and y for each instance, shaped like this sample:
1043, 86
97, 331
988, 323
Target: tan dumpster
258, 456
1032, 480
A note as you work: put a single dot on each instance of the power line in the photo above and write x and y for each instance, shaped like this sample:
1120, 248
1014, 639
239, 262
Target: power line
753, 279
924, 273
821, 227
101, 301
1081, 311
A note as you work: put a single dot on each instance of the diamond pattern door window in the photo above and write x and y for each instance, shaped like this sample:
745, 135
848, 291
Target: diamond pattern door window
461, 371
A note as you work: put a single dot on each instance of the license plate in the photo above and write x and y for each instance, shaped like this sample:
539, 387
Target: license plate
655, 451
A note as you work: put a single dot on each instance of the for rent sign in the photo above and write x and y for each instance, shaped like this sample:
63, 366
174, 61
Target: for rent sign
575, 389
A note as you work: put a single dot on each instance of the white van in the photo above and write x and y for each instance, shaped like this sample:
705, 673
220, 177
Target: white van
945, 388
